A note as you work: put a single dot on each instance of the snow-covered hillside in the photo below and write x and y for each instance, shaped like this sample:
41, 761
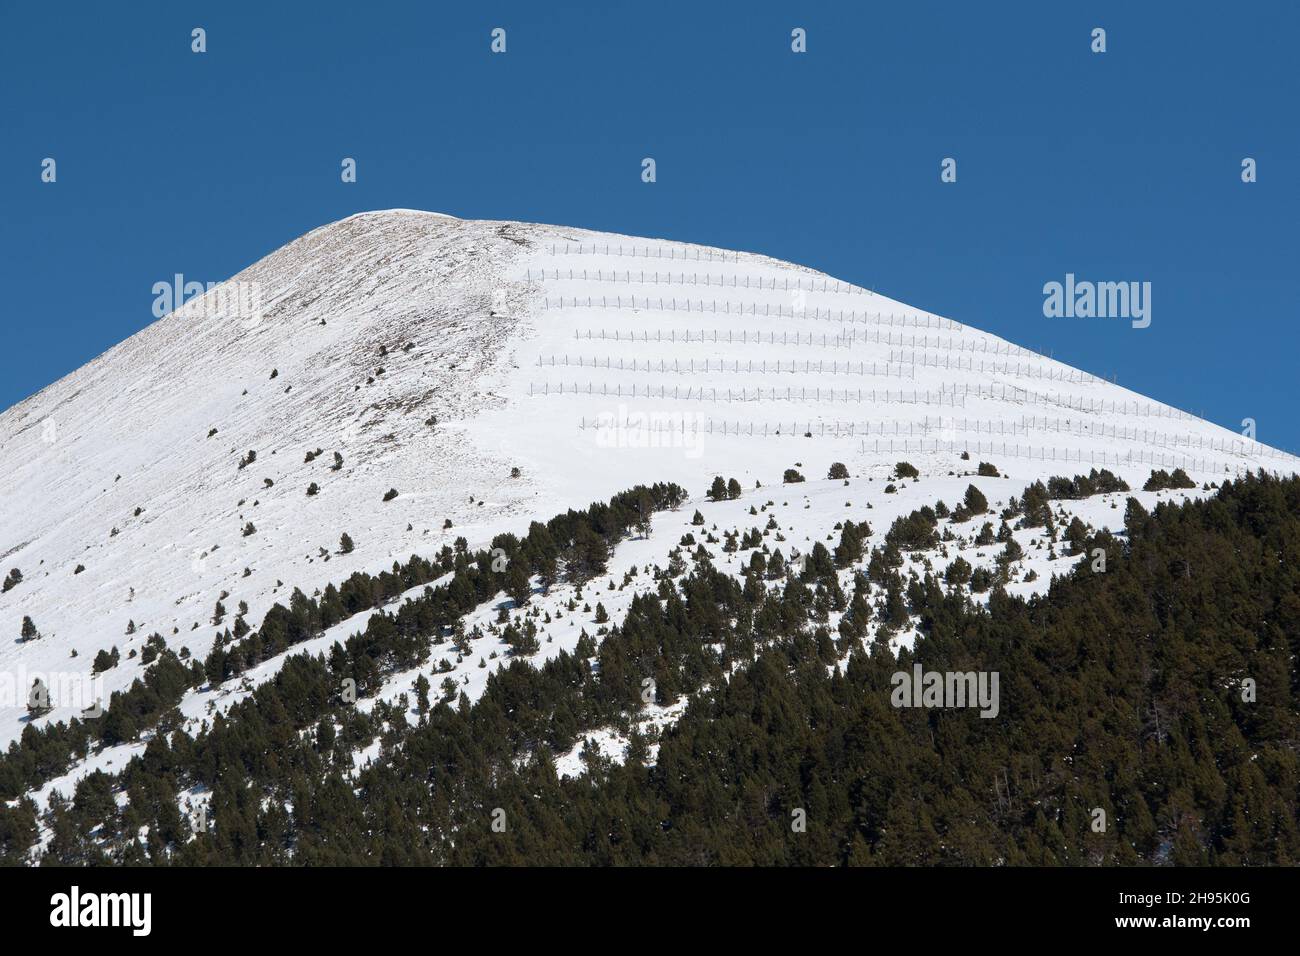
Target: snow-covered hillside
492, 373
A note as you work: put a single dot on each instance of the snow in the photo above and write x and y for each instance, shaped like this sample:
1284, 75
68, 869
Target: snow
589, 361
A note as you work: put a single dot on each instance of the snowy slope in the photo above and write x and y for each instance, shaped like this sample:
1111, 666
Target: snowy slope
436, 355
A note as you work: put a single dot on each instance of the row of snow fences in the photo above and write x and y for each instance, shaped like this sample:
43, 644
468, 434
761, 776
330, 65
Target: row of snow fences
744, 309
956, 396
691, 393
854, 336
706, 279
737, 367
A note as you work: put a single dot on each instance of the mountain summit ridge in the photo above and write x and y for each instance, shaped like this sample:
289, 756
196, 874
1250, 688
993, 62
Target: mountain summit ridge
490, 373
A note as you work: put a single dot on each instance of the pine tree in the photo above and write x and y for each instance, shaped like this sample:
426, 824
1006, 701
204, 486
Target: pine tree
105, 660
958, 572
422, 694
975, 501
849, 551
588, 555
517, 585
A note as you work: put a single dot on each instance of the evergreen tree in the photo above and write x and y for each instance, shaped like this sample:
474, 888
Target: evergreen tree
422, 694
517, 585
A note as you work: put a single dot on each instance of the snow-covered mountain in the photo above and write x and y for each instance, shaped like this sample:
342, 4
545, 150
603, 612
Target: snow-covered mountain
491, 373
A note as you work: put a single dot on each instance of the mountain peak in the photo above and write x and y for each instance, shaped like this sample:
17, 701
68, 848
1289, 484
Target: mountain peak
492, 373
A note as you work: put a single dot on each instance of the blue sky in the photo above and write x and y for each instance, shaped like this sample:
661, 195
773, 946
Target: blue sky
1117, 166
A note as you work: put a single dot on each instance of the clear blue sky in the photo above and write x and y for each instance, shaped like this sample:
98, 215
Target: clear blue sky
1118, 166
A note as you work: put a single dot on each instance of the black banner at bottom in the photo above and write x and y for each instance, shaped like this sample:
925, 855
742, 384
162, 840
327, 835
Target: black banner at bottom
336, 906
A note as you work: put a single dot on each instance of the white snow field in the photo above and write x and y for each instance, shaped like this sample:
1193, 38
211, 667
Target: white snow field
436, 355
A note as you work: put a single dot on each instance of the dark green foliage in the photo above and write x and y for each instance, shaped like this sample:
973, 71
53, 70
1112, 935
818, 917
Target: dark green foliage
958, 572
105, 659
588, 555
1161, 480
852, 537
906, 469
975, 501
39, 755
17, 831
914, 532
1135, 675
517, 584
1085, 486
838, 471
154, 646
522, 640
